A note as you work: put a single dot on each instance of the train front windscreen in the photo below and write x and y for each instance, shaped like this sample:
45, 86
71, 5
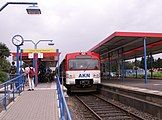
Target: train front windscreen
83, 64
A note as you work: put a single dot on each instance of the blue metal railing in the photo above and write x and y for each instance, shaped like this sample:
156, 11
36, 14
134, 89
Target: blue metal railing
64, 111
17, 84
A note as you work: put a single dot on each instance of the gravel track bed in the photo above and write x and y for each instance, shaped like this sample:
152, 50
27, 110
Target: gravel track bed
77, 110
133, 110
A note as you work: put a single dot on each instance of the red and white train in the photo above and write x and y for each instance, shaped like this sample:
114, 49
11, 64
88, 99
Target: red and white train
80, 71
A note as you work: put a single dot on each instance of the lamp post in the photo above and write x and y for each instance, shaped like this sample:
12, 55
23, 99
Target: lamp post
30, 10
35, 59
35, 44
18, 41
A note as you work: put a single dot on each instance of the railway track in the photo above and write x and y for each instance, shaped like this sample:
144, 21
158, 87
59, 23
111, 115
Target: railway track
102, 109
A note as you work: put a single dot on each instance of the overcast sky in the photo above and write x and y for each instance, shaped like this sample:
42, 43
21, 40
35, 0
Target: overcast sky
78, 25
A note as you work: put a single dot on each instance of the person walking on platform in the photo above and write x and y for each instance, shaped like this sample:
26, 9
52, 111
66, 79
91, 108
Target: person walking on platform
31, 78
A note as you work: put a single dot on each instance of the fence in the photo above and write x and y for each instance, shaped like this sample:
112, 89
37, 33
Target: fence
17, 84
64, 111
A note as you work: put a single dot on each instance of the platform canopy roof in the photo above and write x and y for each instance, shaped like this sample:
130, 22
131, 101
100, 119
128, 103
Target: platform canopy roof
128, 45
46, 55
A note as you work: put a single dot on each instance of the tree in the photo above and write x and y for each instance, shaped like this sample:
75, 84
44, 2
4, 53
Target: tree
4, 51
4, 63
138, 62
128, 65
150, 61
3, 76
142, 63
158, 63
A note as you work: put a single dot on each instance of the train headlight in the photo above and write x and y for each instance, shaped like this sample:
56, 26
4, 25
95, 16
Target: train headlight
70, 76
97, 75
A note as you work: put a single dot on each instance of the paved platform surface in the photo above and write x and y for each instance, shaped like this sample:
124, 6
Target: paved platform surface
152, 86
40, 104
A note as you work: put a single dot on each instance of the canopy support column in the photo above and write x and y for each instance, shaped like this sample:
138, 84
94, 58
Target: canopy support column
17, 59
145, 61
119, 67
122, 64
151, 62
109, 65
136, 65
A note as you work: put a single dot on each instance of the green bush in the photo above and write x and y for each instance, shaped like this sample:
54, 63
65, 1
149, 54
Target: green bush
3, 76
138, 76
157, 74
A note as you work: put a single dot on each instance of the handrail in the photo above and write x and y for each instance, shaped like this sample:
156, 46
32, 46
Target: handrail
18, 81
64, 111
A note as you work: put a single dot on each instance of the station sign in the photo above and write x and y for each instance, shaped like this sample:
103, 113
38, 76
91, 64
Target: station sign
39, 50
31, 55
40, 55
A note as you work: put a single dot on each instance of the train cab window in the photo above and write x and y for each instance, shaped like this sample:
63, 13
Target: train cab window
78, 64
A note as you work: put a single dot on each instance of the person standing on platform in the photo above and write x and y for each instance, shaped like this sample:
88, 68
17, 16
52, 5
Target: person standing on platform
27, 69
21, 71
31, 78
12, 72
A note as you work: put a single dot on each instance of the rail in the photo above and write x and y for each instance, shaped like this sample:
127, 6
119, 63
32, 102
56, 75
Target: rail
17, 84
64, 111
